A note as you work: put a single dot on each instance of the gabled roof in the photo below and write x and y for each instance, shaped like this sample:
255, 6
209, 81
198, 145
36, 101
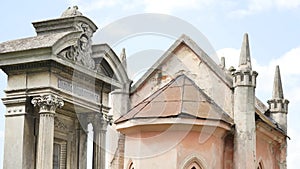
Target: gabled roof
181, 97
42, 41
184, 39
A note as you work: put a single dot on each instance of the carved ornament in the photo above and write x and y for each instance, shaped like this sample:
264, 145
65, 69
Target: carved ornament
60, 125
47, 103
81, 52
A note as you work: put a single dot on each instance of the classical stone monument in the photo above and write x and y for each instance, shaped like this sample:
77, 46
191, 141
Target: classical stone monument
186, 112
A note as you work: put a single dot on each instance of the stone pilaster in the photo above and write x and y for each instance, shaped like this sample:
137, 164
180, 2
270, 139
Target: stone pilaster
19, 138
283, 154
120, 106
47, 105
99, 146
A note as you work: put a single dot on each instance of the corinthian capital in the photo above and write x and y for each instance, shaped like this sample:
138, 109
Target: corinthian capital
47, 103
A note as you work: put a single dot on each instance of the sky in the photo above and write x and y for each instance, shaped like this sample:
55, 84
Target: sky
273, 28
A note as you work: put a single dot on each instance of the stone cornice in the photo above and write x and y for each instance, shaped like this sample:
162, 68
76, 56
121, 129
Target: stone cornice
62, 66
185, 124
269, 132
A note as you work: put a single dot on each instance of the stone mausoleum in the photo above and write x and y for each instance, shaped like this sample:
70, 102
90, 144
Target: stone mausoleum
187, 112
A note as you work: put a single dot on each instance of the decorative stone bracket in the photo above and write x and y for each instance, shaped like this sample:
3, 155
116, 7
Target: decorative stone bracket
108, 118
47, 103
101, 120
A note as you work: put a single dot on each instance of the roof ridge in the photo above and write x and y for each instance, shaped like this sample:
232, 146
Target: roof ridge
157, 92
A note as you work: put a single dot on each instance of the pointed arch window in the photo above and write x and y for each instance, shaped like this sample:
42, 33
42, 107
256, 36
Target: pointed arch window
193, 165
131, 166
260, 166
193, 161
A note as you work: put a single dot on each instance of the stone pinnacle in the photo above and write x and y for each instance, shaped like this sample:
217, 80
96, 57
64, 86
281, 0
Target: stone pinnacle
245, 60
123, 58
277, 86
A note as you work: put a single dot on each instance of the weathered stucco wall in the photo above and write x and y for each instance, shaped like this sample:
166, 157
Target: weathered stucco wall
175, 148
267, 151
184, 60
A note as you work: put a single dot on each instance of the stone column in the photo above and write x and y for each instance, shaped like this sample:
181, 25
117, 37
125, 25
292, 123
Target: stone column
100, 127
83, 136
47, 105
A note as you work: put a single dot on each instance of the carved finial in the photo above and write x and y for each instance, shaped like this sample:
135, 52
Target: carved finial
245, 59
47, 103
123, 58
277, 86
222, 64
71, 11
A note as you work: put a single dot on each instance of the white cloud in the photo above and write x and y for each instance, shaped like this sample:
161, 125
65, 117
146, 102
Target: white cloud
234, 8
87, 6
289, 62
167, 7
293, 149
287, 4
256, 6
1, 135
231, 56
152, 6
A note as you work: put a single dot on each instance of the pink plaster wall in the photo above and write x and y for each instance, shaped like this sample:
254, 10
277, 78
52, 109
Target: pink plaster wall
207, 147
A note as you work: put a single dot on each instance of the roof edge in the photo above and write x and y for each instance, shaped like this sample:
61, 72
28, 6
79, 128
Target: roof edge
197, 50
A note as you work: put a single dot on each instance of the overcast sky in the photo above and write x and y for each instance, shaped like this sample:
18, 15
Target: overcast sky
273, 28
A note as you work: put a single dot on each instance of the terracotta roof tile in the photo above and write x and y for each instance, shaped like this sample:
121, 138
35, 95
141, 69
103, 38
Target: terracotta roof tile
181, 96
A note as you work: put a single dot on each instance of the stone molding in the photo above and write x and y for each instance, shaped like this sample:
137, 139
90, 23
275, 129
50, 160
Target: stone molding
47, 103
278, 105
244, 78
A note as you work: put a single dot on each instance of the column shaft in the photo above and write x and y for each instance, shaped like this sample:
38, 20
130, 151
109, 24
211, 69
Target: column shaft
45, 141
99, 149
82, 149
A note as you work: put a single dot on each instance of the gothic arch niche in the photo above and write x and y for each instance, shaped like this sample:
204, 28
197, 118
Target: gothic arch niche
104, 67
193, 165
193, 162
130, 165
260, 165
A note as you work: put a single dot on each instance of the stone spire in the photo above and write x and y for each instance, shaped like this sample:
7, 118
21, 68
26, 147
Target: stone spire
123, 59
277, 86
244, 83
278, 106
245, 60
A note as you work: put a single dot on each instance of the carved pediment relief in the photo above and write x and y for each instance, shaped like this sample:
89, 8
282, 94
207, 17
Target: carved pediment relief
81, 52
76, 48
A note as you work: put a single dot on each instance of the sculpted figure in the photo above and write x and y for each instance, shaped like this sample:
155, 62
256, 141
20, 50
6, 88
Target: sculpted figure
71, 11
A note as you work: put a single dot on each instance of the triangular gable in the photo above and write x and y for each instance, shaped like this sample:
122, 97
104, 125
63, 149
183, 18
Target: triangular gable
185, 57
181, 97
184, 39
